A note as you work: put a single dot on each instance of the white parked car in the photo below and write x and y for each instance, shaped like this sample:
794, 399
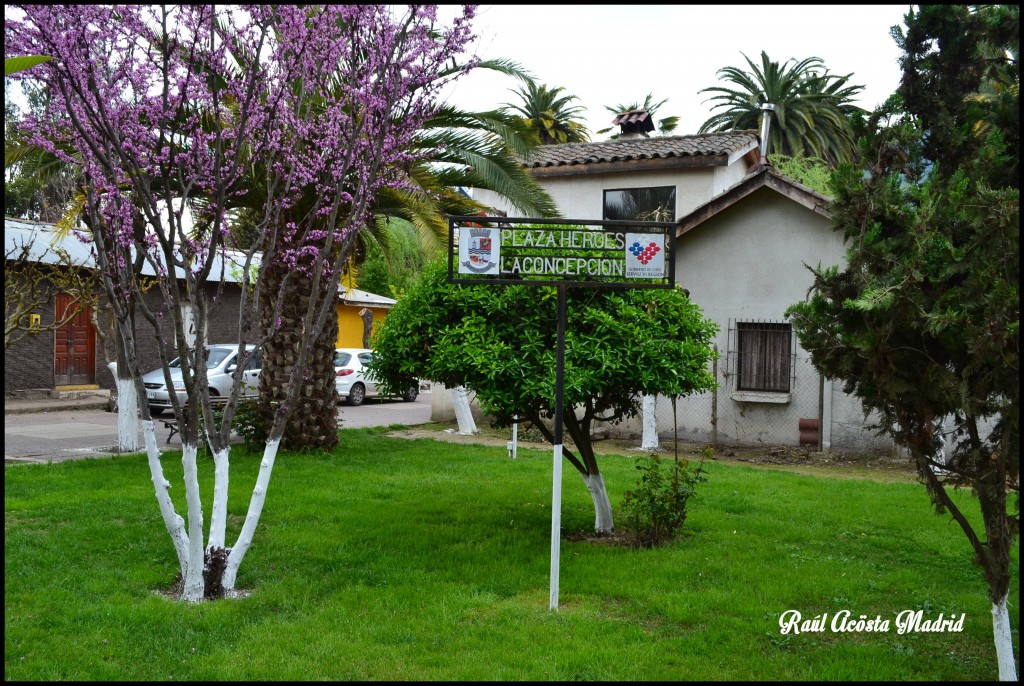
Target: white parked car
220, 365
353, 380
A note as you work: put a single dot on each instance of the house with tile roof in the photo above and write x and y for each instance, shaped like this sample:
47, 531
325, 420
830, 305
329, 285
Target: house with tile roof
745, 235
592, 180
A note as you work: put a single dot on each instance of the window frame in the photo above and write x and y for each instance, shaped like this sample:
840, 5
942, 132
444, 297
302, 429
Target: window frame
771, 371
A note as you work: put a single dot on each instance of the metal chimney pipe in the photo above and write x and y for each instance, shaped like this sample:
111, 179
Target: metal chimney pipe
766, 122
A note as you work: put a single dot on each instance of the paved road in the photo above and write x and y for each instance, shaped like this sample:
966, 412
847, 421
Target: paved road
74, 434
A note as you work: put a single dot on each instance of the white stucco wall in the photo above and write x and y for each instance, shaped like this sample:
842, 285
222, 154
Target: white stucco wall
747, 264
744, 264
582, 197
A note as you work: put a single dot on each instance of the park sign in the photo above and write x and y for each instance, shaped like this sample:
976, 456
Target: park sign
487, 250
556, 252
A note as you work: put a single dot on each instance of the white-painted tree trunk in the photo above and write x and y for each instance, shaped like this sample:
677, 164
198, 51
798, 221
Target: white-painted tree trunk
460, 398
127, 412
194, 584
219, 515
1004, 641
174, 523
650, 435
602, 506
252, 517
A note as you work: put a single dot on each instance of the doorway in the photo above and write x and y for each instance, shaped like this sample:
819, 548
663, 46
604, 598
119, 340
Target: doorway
74, 345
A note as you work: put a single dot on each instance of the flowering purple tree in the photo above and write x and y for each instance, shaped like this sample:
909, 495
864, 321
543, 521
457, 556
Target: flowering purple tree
162, 118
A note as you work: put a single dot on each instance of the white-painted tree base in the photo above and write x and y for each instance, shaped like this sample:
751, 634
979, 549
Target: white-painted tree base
650, 414
127, 413
172, 520
219, 515
463, 413
603, 523
1004, 641
252, 517
194, 582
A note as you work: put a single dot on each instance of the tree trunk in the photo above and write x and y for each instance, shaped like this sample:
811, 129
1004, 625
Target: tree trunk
173, 521
1004, 641
313, 424
650, 414
219, 515
194, 583
463, 413
127, 410
602, 506
252, 517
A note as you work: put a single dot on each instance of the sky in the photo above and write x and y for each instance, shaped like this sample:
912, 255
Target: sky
616, 54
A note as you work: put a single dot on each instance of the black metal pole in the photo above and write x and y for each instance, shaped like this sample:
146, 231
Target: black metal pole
556, 479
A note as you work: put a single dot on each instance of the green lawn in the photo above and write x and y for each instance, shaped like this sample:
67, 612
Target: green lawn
420, 560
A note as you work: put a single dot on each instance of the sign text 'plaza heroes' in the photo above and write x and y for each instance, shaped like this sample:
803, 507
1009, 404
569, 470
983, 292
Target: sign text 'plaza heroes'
595, 253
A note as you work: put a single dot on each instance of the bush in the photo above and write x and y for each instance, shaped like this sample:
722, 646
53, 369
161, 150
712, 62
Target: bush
247, 423
654, 511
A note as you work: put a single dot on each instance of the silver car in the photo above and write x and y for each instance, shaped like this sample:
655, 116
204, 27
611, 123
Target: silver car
353, 380
220, 365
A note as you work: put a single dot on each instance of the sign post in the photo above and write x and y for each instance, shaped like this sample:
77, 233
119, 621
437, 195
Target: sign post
561, 253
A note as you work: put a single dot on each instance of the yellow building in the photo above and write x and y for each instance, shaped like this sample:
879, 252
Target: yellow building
359, 315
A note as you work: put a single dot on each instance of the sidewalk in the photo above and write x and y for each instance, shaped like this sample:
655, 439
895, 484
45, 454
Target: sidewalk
43, 429
43, 402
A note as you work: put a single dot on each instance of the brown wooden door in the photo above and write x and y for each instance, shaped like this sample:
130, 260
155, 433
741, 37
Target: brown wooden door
74, 346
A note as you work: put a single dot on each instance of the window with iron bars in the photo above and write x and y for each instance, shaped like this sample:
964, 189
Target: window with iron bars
761, 356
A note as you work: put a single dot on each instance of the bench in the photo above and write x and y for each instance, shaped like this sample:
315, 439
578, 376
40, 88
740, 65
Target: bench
172, 423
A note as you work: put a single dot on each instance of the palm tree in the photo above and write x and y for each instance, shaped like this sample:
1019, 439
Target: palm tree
664, 126
812, 106
12, 65
465, 150
550, 114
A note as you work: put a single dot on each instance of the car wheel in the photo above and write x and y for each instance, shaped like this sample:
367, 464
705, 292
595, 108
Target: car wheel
411, 394
156, 411
356, 395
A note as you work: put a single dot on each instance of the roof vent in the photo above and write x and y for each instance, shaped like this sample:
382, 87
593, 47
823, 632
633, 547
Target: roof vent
634, 124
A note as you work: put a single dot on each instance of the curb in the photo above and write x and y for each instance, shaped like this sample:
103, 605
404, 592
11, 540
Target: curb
24, 407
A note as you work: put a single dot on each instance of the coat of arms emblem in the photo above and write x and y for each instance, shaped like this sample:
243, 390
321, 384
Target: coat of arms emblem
479, 251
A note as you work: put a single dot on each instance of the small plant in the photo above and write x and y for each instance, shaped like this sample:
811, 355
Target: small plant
247, 422
654, 511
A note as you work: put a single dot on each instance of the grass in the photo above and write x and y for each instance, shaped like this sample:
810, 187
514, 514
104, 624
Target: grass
418, 560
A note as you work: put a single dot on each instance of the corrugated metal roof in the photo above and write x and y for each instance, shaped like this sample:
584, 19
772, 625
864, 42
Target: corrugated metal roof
354, 296
43, 240
41, 237
713, 146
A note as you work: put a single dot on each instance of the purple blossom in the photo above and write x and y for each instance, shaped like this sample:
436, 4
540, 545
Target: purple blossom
153, 128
